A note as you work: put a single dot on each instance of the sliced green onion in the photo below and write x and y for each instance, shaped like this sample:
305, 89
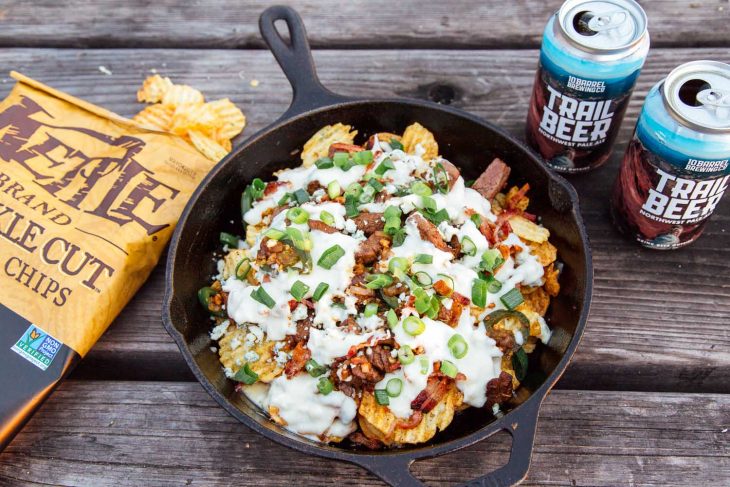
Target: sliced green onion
319, 291
437, 217
491, 259
259, 294
354, 189
204, 295
381, 397
371, 309
284, 199
301, 196
246, 375
363, 158
423, 300
392, 212
423, 279
297, 215
423, 259
414, 326
520, 363
448, 369
341, 160
392, 224
378, 281
397, 263
274, 234
425, 365
434, 307
327, 217
395, 144
246, 202
493, 285
367, 195
377, 185
406, 355
458, 346
421, 189
468, 246
314, 369
512, 298
324, 163
299, 239
229, 239
441, 178
242, 269
470, 182
325, 386
429, 204
298, 290
392, 318
384, 166
398, 236
394, 387
479, 293
257, 188
351, 210
330, 256
333, 190
476, 219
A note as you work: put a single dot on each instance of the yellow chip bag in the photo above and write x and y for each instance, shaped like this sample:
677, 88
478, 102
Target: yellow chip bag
88, 201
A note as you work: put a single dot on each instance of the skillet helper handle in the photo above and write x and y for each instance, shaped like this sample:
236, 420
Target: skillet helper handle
395, 469
295, 59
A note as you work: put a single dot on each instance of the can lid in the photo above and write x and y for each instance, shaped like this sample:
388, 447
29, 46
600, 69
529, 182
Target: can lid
698, 93
603, 26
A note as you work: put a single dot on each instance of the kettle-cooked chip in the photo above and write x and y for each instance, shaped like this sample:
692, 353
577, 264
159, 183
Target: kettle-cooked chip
155, 117
200, 117
153, 89
545, 252
418, 134
319, 144
527, 230
182, 94
207, 145
231, 118
235, 351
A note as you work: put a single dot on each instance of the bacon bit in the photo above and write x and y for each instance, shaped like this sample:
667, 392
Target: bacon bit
293, 304
358, 438
519, 195
272, 186
299, 357
436, 388
504, 250
442, 288
460, 298
308, 303
419, 350
343, 147
491, 305
529, 216
460, 376
413, 420
516, 249
267, 278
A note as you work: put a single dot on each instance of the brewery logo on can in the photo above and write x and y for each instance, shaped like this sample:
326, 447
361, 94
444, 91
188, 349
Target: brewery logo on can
675, 169
592, 52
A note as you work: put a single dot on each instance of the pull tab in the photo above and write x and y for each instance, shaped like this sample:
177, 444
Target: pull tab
608, 21
716, 101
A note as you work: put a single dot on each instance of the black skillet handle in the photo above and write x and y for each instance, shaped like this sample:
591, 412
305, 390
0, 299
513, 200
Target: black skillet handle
395, 469
295, 59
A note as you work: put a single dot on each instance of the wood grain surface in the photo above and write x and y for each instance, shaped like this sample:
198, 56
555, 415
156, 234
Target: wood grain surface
170, 433
654, 315
331, 23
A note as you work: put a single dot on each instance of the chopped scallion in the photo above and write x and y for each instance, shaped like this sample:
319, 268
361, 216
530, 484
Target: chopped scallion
229, 239
274, 234
395, 144
512, 298
242, 269
314, 369
363, 158
384, 166
300, 196
324, 163
319, 291
377, 185
325, 386
414, 325
381, 397
378, 281
421, 189
298, 290
330, 256
327, 217
448, 369
333, 190
259, 294
394, 387
458, 346
371, 309
479, 293
468, 246
351, 210
397, 263
392, 318
246, 375
423, 259
297, 215
406, 355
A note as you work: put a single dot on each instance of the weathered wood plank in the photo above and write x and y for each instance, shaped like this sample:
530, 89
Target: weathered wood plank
658, 319
147, 433
332, 23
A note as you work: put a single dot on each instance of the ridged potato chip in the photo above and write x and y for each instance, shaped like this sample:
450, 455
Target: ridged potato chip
207, 145
319, 144
231, 118
509, 368
552, 286
153, 89
527, 230
232, 357
182, 94
156, 117
378, 422
536, 299
545, 252
231, 261
200, 117
418, 134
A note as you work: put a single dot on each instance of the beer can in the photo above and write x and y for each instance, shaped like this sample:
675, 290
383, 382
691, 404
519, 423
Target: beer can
675, 169
592, 52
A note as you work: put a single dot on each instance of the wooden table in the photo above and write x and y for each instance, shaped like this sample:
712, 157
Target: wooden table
645, 400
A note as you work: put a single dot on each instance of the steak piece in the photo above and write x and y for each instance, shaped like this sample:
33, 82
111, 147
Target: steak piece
499, 389
369, 223
321, 226
370, 250
430, 232
493, 179
451, 171
436, 388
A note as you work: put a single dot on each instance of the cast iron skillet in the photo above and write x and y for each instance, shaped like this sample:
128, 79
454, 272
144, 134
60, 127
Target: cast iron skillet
464, 139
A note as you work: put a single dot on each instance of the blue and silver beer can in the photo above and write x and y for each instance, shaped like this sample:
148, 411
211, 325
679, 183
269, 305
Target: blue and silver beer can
675, 169
591, 55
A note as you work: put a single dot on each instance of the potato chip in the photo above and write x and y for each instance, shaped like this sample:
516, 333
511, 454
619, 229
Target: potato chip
378, 422
207, 146
527, 230
509, 368
233, 348
536, 299
518, 204
545, 252
552, 286
155, 117
416, 134
200, 117
153, 89
253, 231
182, 94
319, 144
231, 118
231, 261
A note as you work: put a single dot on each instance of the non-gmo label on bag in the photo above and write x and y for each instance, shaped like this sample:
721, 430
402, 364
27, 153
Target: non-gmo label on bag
37, 347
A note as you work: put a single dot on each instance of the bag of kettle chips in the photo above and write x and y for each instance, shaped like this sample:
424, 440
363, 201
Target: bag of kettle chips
88, 200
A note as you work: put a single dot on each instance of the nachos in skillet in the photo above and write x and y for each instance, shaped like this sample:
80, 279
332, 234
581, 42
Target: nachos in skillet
376, 293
